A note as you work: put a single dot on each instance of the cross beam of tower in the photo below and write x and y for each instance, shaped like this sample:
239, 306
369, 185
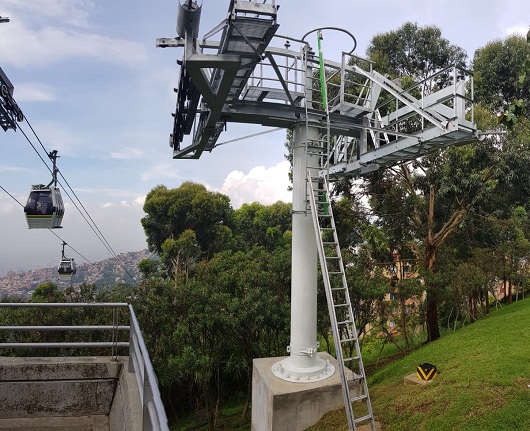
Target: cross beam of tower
218, 78
241, 79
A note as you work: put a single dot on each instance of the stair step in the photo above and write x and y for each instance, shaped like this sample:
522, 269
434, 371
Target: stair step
54, 423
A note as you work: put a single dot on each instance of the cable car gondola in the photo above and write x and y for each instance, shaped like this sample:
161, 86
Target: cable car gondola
66, 268
45, 208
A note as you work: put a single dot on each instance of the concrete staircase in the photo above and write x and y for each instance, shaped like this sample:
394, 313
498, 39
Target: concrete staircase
71, 393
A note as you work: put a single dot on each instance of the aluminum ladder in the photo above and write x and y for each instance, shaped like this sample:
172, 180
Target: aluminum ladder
358, 406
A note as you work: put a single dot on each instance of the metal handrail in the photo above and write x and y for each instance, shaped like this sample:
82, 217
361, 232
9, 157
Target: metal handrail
153, 412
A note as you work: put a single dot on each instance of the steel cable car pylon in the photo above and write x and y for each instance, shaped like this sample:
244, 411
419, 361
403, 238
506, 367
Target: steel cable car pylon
67, 268
44, 208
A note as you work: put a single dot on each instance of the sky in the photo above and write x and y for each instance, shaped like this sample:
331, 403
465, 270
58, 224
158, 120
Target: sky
93, 85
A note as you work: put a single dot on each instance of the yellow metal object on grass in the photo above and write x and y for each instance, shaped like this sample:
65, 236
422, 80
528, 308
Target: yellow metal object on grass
426, 371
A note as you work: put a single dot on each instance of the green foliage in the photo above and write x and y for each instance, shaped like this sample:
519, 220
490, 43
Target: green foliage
260, 225
148, 267
180, 254
204, 329
47, 292
191, 206
501, 69
413, 51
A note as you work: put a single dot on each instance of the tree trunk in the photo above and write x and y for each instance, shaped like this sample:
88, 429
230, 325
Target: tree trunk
433, 330
404, 324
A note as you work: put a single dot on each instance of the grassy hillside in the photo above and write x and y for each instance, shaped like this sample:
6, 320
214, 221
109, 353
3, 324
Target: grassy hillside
482, 385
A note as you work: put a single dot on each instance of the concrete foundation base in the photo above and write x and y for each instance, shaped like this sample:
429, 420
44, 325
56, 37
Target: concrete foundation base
412, 379
279, 405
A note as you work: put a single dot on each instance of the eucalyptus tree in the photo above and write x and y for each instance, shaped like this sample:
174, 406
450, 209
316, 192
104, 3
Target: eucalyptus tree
502, 77
413, 51
419, 204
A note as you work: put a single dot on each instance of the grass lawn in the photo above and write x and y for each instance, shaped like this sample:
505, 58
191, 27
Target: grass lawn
482, 385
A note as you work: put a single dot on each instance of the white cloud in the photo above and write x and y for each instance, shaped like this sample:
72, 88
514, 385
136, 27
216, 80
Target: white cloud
55, 136
521, 30
266, 186
34, 92
8, 205
127, 154
136, 203
162, 170
22, 46
73, 12
117, 197
13, 169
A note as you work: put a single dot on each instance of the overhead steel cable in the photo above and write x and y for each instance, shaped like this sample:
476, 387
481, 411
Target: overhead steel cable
35, 149
62, 240
248, 136
11, 196
93, 226
100, 236
74, 250
93, 222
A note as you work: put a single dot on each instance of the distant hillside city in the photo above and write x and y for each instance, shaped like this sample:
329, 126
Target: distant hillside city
106, 272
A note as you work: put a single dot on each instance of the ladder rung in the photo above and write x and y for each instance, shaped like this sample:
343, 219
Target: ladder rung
362, 419
333, 289
340, 305
332, 257
348, 340
359, 398
326, 228
344, 322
